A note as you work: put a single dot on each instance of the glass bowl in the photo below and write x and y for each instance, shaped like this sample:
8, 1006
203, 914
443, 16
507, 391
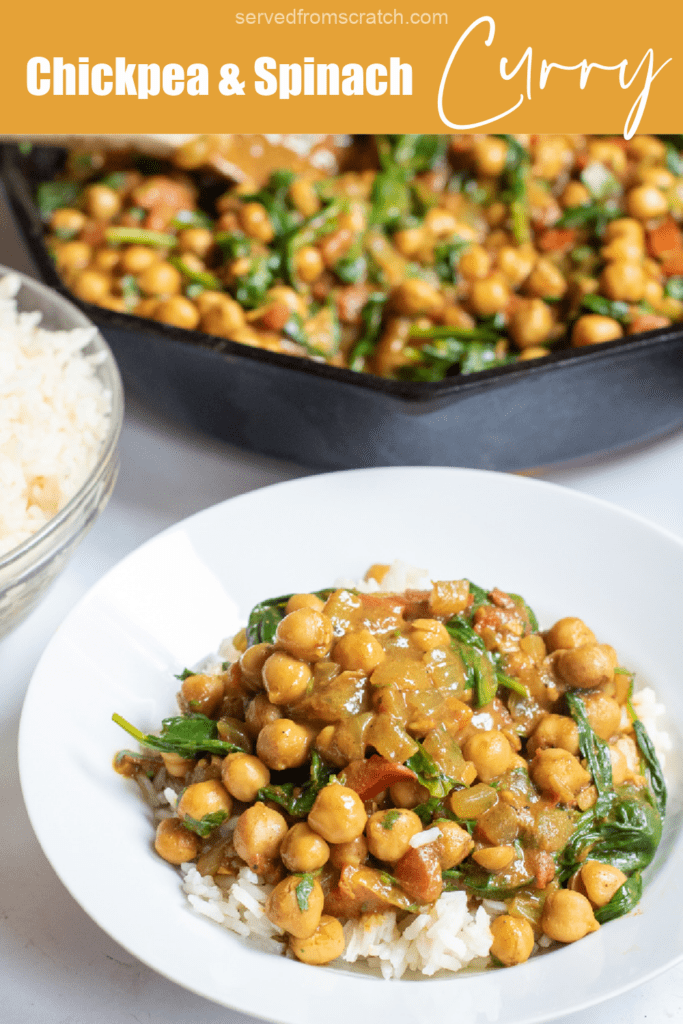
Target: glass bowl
27, 570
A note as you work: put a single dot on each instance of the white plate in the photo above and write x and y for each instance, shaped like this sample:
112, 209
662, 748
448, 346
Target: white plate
171, 602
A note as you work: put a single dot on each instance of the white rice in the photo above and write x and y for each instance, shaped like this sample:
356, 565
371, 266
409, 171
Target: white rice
54, 412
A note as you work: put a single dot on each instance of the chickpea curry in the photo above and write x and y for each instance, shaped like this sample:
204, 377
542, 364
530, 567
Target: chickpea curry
375, 750
425, 257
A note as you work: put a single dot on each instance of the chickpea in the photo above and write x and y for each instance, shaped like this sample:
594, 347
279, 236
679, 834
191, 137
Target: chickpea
223, 319
567, 916
285, 678
295, 302
449, 597
161, 278
601, 881
413, 297
490, 753
202, 798
67, 220
284, 909
647, 149
534, 352
256, 222
389, 833
146, 307
555, 731
251, 664
73, 256
657, 176
91, 286
410, 241
408, 793
623, 248
429, 633
243, 775
490, 296
297, 601
653, 292
568, 632
609, 154
490, 156
335, 245
174, 842
559, 773
552, 153
198, 241
620, 770
260, 712
593, 329
309, 264
513, 939
303, 849
175, 765
494, 858
178, 311
354, 852
203, 693
106, 260
440, 223
645, 202
545, 280
516, 263
304, 196
338, 814
575, 194
359, 652
136, 258
325, 944
305, 634
101, 202
284, 744
453, 845
496, 214
603, 713
587, 666
623, 280
475, 263
625, 226
258, 836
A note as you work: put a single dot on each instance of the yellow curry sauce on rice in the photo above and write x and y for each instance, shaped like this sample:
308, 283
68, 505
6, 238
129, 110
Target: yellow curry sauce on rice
422, 776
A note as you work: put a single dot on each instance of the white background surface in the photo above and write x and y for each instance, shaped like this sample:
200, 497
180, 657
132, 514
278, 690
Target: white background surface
56, 966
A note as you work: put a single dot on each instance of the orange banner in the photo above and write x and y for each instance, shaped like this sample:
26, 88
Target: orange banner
352, 66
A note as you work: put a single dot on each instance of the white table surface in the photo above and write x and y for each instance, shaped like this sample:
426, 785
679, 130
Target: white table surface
56, 965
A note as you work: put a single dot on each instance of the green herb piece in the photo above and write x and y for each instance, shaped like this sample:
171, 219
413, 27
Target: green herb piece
596, 753
116, 180
250, 289
191, 219
483, 885
527, 612
512, 684
193, 290
275, 197
429, 773
371, 317
303, 890
517, 170
205, 826
185, 674
582, 254
606, 307
674, 288
390, 819
233, 244
186, 735
592, 215
202, 277
120, 235
625, 899
53, 195
447, 257
298, 800
130, 290
674, 161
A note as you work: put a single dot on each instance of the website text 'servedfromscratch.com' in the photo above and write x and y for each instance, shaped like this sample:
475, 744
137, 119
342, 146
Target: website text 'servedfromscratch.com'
334, 18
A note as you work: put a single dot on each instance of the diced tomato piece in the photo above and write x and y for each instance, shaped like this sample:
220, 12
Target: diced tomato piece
419, 873
672, 265
666, 238
370, 777
648, 322
557, 240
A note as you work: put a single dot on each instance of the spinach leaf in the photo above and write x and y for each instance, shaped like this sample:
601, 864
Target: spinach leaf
372, 315
596, 752
205, 826
429, 773
390, 197
483, 674
233, 244
626, 837
625, 899
203, 277
481, 884
606, 307
592, 215
654, 768
674, 161
299, 804
250, 288
52, 195
185, 674
674, 287
447, 257
186, 735
517, 169
274, 196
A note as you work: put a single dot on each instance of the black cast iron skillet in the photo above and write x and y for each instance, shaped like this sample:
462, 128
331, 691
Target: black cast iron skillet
573, 403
